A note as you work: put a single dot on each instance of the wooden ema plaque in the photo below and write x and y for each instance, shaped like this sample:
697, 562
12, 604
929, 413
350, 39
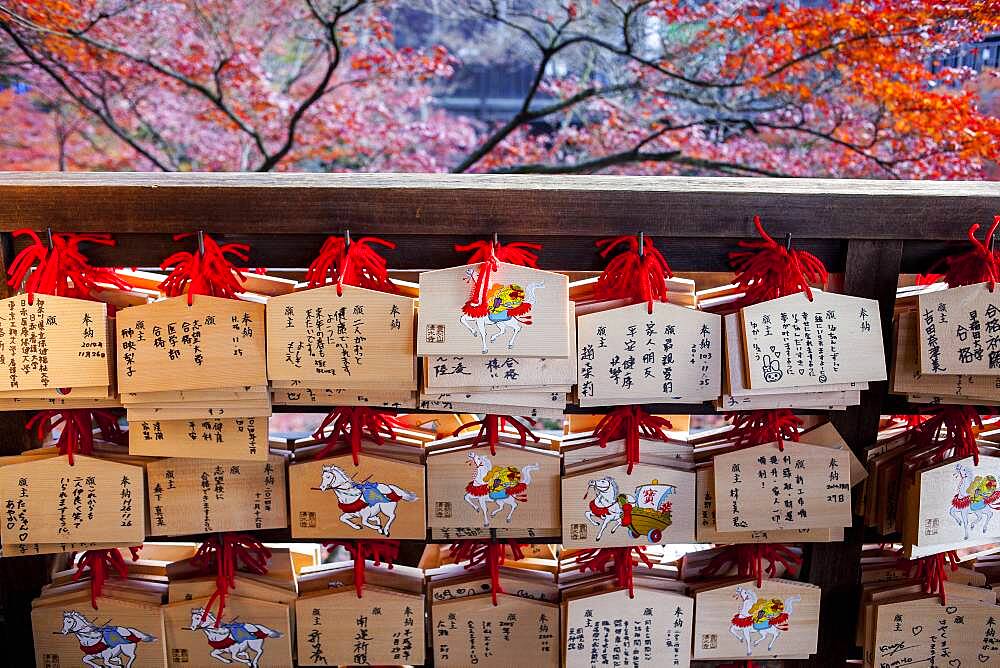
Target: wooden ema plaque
741, 621
379, 498
312, 396
384, 627
923, 632
94, 501
472, 631
794, 342
168, 345
471, 492
956, 503
674, 353
361, 339
609, 508
56, 342
206, 496
524, 313
959, 331
804, 487
611, 629
243, 438
119, 633
252, 632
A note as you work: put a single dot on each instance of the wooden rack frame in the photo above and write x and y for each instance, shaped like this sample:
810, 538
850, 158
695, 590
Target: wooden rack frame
869, 230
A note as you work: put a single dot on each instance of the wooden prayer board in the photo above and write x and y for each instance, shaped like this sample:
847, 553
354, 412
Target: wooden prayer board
71, 633
960, 331
467, 488
168, 345
94, 501
609, 508
253, 622
55, 342
653, 629
363, 338
674, 353
731, 618
923, 632
472, 631
538, 328
205, 496
956, 504
384, 627
242, 438
804, 487
794, 342
32, 549
312, 396
379, 498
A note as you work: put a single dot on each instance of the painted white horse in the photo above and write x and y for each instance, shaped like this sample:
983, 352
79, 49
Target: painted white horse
233, 641
501, 485
767, 620
503, 319
605, 511
109, 645
365, 501
977, 498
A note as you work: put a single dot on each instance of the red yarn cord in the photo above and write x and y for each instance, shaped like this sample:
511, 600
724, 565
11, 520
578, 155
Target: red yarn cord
631, 274
98, 563
76, 435
353, 424
768, 270
491, 426
979, 264
748, 560
378, 551
933, 571
622, 559
355, 263
224, 552
63, 269
210, 273
492, 553
489, 255
631, 423
952, 431
752, 428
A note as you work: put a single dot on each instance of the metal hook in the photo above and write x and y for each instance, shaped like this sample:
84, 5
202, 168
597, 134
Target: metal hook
642, 243
201, 242
991, 242
496, 240
788, 241
48, 232
347, 238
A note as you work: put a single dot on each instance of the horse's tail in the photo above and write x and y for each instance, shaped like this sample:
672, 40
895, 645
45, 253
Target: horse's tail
405, 495
267, 631
140, 636
526, 473
790, 603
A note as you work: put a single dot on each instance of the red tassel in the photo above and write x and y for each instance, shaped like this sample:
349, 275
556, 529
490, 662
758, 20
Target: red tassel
209, 273
224, 552
748, 560
491, 426
355, 263
353, 424
933, 570
493, 553
631, 423
63, 269
77, 435
624, 560
630, 275
488, 255
752, 428
769, 270
952, 431
379, 551
977, 265
97, 563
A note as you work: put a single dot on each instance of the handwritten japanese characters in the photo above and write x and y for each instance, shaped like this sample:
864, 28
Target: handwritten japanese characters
202, 438
362, 338
673, 353
168, 345
959, 331
522, 313
610, 629
795, 342
379, 498
766, 488
609, 508
207, 496
337, 628
94, 501
55, 342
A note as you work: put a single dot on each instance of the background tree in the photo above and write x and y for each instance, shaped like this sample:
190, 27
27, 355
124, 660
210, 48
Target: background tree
641, 86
